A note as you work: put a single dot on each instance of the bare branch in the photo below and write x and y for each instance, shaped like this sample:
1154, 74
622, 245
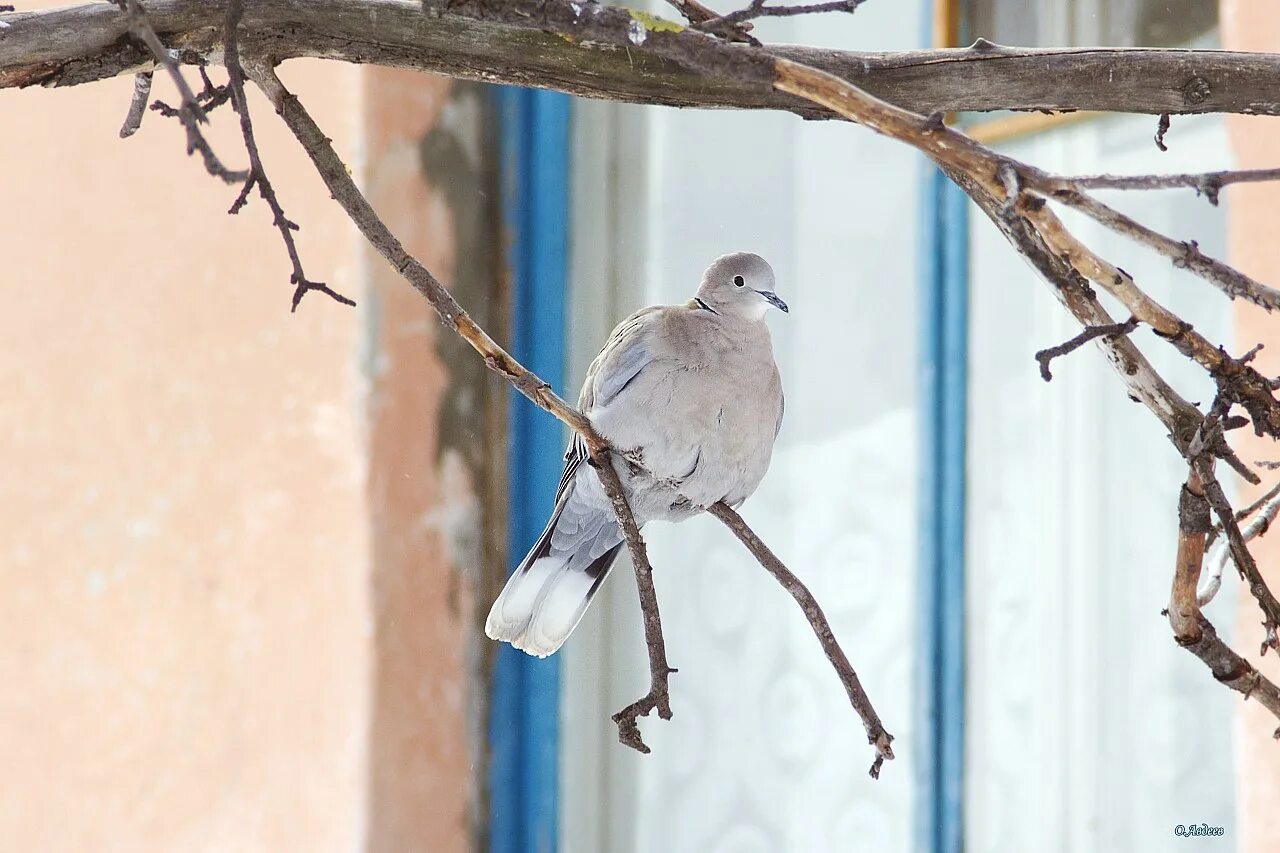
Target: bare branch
1243, 383
1261, 502
758, 9
693, 11
344, 190
975, 169
698, 15
1045, 356
1208, 184
876, 734
1184, 255
470, 40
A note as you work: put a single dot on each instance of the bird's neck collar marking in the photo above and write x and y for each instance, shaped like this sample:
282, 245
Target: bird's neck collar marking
704, 306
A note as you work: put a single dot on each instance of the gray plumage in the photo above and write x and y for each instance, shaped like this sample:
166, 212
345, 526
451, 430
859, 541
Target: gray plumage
692, 393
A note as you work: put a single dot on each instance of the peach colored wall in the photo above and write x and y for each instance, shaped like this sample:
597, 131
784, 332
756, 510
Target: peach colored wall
1252, 211
183, 535
239, 549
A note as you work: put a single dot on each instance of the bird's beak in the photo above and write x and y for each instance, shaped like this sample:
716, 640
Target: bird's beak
774, 300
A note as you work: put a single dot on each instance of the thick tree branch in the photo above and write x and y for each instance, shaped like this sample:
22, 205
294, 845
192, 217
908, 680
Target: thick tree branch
876, 734
590, 53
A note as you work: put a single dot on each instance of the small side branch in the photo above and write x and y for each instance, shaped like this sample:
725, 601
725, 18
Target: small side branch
138, 105
1208, 184
759, 9
189, 112
257, 172
876, 734
1045, 356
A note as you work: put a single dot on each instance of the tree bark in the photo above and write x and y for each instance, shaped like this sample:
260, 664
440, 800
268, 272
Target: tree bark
612, 53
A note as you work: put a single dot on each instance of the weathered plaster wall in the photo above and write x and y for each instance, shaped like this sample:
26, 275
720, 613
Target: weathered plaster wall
436, 450
184, 531
1253, 212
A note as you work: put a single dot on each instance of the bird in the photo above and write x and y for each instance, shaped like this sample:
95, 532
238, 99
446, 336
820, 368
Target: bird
690, 397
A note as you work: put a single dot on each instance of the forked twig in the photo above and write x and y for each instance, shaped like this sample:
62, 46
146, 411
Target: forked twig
257, 172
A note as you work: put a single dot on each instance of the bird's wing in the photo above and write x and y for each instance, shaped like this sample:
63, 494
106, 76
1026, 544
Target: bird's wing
624, 357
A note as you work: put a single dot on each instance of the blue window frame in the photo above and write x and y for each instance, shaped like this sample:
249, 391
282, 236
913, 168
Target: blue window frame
524, 733
944, 356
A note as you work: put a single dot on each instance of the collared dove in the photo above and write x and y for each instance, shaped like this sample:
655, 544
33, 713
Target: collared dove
689, 391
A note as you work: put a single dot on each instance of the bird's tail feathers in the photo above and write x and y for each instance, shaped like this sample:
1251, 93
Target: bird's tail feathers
548, 594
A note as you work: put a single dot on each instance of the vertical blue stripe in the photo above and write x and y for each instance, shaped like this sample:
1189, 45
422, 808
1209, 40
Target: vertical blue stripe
952, 510
525, 707
926, 740
944, 344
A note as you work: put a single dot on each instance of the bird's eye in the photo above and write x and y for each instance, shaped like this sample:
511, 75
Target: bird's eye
739, 280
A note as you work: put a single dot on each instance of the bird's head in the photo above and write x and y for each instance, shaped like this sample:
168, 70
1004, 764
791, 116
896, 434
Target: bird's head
740, 284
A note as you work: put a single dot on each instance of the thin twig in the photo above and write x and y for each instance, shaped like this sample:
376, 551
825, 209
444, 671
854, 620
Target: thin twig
1242, 514
659, 697
1045, 356
257, 173
694, 12
1208, 184
138, 105
758, 9
1220, 555
1162, 127
190, 112
876, 734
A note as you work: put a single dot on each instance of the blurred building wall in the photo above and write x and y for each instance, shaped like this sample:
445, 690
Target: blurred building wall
237, 547
1253, 248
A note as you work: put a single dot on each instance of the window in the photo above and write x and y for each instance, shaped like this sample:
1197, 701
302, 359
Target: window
1080, 23
1071, 23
